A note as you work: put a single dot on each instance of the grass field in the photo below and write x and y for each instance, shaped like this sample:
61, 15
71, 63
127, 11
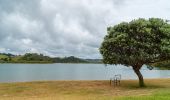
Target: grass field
3, 56
157, 89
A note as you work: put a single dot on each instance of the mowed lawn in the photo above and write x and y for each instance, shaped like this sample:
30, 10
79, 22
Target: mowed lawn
157, 89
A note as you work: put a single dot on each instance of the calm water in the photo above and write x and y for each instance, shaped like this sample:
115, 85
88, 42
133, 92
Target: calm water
36, 72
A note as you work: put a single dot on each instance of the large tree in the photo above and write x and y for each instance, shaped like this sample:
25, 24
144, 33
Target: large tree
141, 41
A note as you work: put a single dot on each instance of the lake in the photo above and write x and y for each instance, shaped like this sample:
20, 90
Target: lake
40, 72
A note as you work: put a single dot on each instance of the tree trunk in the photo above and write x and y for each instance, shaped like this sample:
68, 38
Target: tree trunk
138, 73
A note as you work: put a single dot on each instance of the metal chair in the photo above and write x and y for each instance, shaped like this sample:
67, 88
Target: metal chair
115, 80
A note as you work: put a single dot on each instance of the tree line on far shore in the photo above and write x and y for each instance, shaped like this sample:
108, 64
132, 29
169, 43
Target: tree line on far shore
40, 58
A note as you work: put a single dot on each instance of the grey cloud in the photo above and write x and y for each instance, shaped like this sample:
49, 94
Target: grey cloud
67, 27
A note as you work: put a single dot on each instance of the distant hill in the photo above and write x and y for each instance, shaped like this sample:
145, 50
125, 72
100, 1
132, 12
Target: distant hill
94, 60
162, 64
4, 57
7, 54
26, 58
70, 59
40, 58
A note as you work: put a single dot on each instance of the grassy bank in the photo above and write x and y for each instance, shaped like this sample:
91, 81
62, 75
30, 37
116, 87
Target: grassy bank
85, 90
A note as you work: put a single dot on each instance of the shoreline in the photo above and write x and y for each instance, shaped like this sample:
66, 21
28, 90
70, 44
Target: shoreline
44, 63
36, 81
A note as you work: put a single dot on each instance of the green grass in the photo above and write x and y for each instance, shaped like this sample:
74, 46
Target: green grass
3, 56
161, 95
157, 89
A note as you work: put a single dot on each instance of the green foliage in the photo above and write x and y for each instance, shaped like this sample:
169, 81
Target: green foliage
35, 57
99, 61
70, 59
40, 58
162, 64
5, 57
27, 58
137, 42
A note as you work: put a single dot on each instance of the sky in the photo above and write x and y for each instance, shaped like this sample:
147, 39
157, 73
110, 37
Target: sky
68, 27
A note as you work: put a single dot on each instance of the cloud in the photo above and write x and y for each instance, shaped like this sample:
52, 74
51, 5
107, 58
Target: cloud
68, 27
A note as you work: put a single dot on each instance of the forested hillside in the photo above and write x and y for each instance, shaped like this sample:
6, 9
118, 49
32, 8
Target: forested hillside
40, 58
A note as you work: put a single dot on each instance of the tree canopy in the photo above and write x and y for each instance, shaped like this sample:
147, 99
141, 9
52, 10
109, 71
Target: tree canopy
138, 42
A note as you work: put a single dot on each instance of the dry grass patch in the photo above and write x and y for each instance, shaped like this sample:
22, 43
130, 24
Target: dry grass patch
79, 90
